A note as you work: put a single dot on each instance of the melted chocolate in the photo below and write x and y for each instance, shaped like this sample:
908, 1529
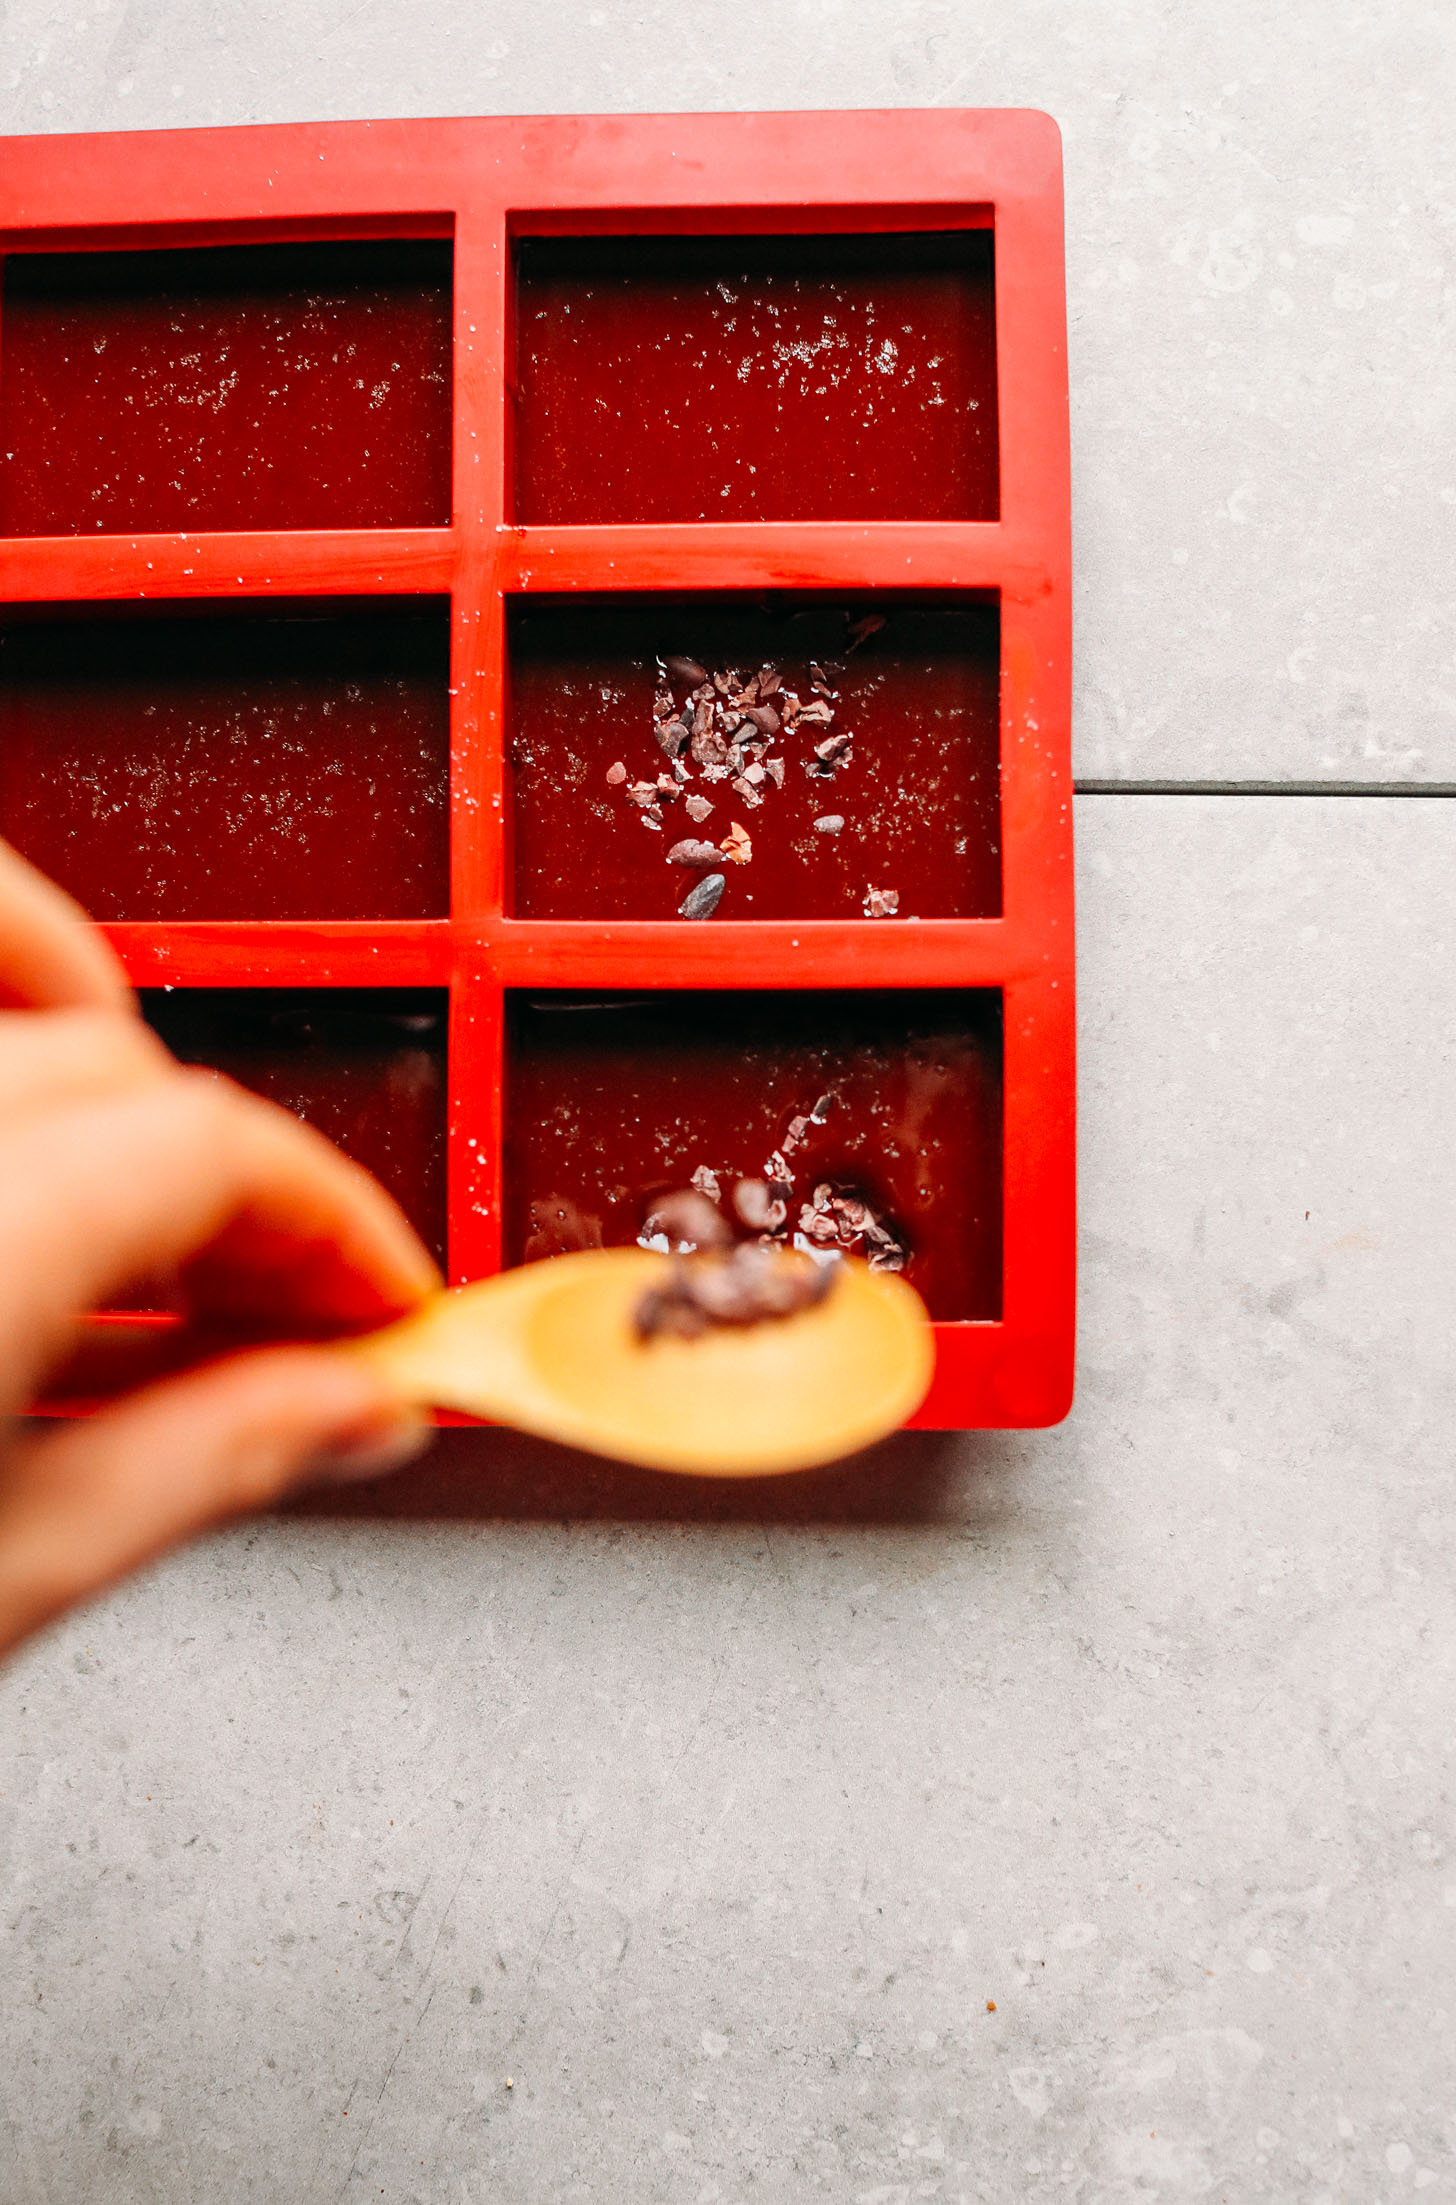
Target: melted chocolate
613, 1100
293, 765
920, 796
232, 387
366, 1066
756, 378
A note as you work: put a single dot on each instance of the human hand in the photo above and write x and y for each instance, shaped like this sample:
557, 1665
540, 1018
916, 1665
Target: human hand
118, 1166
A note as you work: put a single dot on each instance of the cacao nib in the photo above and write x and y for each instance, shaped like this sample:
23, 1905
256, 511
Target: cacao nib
701, 902
817, 1224
829, 823
686, 672
749, 1285
759, 1210
709, 748
688, 1218
702, 854
697, 808
616, 775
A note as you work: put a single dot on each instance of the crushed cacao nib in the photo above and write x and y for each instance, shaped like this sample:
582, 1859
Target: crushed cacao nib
881, 903
818, 1224
749, 1285
847, 1222
706, 1182
718, 726
758, 1207
686, 1218
701, 902
835, 1220
711, 749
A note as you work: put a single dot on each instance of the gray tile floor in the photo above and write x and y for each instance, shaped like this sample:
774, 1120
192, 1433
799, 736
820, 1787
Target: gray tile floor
527, 1832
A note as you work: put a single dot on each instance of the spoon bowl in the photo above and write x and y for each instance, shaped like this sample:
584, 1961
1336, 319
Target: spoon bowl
553, 1348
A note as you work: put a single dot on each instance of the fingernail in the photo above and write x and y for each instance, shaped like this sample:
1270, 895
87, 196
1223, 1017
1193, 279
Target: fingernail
373, 1456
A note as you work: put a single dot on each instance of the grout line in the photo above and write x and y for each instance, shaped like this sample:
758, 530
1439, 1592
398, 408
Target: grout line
1265, 788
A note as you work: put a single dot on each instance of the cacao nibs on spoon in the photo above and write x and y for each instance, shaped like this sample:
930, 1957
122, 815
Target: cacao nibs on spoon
747, 1285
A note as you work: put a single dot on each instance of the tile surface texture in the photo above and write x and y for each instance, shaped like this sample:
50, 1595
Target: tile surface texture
717, 1825
529, 1832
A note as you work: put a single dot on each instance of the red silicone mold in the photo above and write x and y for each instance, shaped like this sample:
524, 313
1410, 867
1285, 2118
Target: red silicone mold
351, 478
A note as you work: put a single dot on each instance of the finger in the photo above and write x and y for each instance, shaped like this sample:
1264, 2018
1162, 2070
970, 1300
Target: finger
261, 1215
81, 1508
117, 1352
50, 1057
50, 953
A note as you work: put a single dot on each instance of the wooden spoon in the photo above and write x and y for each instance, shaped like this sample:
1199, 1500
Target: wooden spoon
552, 1348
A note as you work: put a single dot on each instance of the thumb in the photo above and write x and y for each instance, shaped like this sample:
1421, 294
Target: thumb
83, 1507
